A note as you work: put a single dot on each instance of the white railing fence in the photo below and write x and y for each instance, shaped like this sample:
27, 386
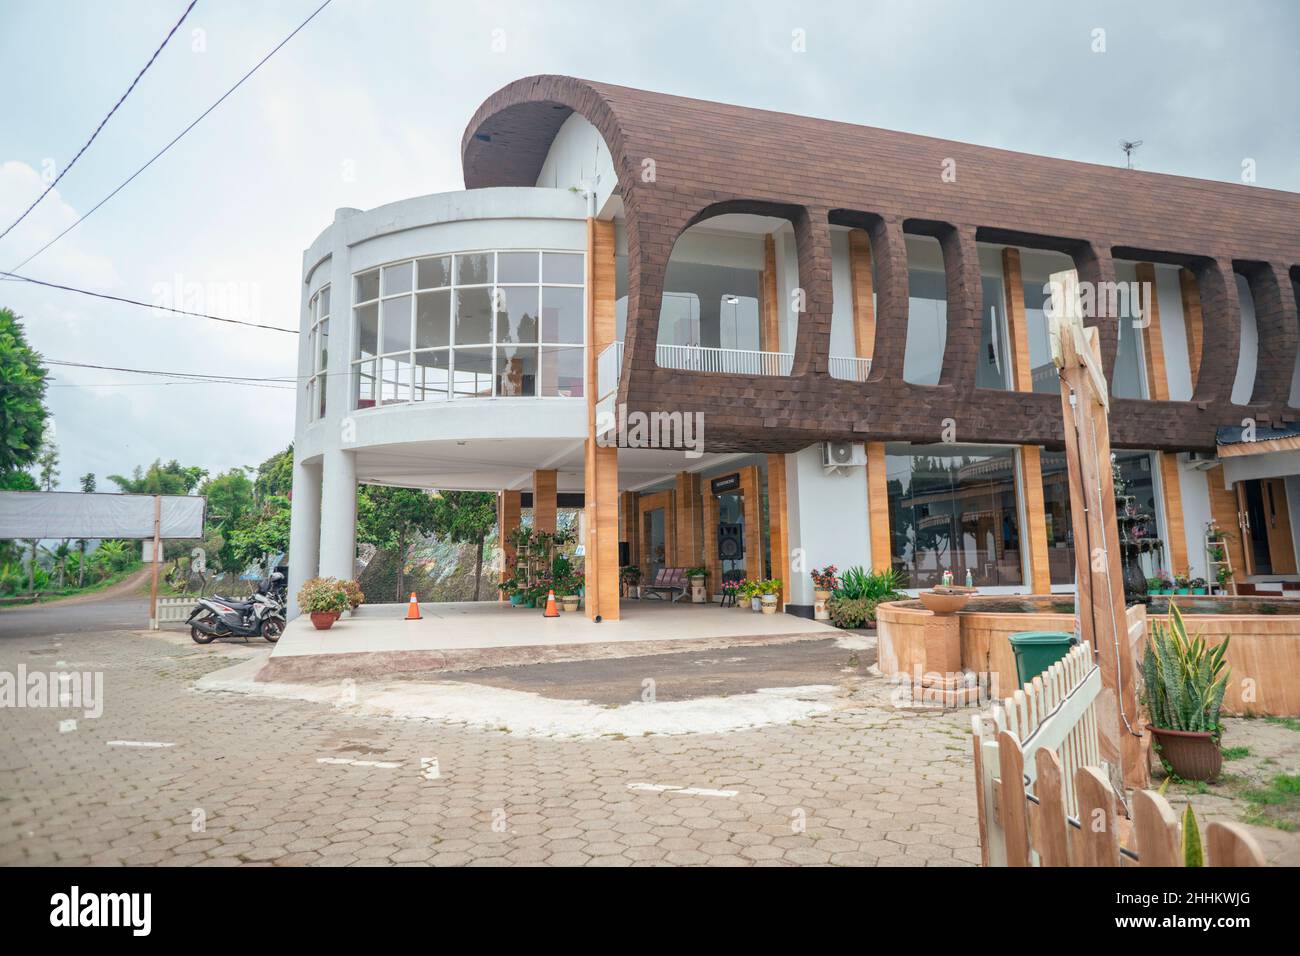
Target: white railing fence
699, 358
850, 368
175, 610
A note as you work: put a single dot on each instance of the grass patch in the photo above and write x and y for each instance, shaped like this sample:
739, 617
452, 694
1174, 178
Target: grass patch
1290, 723
1275, 805
1235, 753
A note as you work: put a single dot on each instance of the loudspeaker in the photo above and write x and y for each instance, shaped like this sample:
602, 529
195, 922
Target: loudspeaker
731, 542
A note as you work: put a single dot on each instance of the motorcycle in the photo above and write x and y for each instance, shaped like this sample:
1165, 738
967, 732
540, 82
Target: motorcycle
262, 615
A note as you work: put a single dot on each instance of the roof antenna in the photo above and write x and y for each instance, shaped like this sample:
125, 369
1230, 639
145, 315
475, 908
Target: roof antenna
1128, 147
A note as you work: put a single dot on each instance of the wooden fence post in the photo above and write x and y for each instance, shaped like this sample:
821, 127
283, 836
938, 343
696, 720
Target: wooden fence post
1012, 806
1050, 837
1157, 835
1097, 843
1228, 844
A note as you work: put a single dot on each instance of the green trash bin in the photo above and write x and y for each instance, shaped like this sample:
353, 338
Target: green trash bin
1036, 651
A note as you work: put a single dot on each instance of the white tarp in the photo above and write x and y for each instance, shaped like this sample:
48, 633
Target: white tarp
71, 514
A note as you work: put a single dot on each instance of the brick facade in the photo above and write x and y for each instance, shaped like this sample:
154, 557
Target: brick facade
712, 158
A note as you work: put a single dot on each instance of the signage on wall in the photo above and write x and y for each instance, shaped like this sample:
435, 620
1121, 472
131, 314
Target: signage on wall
725, 483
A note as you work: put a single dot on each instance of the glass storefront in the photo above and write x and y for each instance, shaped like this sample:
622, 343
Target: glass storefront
954, 508
1056, 510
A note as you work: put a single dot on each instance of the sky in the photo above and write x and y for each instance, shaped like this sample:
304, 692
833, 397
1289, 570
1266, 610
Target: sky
368, 103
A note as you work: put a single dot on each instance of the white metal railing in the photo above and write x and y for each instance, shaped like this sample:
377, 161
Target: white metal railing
850, 367
699, 358
609, 368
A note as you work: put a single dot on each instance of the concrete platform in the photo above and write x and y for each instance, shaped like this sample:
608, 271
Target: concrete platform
469, 635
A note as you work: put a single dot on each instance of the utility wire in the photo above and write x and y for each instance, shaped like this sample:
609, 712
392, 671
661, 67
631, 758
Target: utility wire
201, 376
147, 305
175, 140
102, 122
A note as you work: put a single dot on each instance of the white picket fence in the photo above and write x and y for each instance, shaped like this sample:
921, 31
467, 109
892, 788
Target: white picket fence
1056, 711
174, 610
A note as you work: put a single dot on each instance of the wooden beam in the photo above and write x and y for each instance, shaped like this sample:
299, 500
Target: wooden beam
1224, 511
1193, 319
779, 524
600, 477
1017, 321
878, 508
1040, 570
689, 521
864, 306
769, 339
544, 508
709, 511
751, 491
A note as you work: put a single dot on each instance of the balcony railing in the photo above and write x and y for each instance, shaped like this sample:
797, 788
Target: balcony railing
850, 367
699, 358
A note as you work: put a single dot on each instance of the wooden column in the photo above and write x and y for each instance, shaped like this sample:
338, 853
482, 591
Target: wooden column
864, 306
1022, 377
751, 491
1193, 320
690, 522
769, 337
1224, 511
600, 477
1158, 390
779, 523
544, 482
709, 511
878, 508
508, 509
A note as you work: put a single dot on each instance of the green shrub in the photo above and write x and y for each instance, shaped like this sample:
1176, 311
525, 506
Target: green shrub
847, 612
1184, 680
875, 586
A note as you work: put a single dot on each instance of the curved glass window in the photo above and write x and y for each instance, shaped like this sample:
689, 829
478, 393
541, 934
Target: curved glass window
318, 348
503, 324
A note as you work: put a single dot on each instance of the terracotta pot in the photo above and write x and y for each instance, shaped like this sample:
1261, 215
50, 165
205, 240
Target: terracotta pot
1194, 755
324, 620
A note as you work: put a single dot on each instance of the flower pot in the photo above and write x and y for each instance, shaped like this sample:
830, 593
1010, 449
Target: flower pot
698, 593
516, 600
756, 603
1198, 590
1193, 755
324, 620
570, 602
820, 611
1183, 591
768, 604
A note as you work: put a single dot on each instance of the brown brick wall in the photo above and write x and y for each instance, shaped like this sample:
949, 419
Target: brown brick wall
711, 158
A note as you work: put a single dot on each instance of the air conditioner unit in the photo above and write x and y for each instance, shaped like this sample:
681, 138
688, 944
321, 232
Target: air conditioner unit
843, 454
1201, 460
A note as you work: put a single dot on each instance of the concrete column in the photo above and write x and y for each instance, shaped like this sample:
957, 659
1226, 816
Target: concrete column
826, 521
338, 522
304, 530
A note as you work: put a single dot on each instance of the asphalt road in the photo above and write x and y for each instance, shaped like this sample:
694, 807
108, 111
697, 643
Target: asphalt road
120, 613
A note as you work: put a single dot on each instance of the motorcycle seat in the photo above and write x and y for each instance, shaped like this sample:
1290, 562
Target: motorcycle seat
232, 603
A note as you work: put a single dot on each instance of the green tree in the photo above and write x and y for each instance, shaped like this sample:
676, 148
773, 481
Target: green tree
88, 487
466, 517
160, 479
22, 397
47, 464
230, 498
265, 531
394, 518
274, 476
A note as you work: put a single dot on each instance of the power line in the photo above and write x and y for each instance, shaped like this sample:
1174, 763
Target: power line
175, 140
199, 376
147, 305
104, 121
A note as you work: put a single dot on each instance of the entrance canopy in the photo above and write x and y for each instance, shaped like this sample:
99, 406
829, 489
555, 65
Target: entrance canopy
70, 514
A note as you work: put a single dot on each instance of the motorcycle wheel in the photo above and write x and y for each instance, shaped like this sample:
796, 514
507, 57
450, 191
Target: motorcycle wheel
272, 629
200, 638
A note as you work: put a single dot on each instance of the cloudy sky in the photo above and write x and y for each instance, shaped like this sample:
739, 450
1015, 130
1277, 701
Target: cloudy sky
368, 103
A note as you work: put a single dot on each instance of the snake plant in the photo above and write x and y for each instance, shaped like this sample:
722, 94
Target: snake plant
1184, 678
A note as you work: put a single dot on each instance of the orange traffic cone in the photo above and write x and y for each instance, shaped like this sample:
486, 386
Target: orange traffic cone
413, 609
551, 609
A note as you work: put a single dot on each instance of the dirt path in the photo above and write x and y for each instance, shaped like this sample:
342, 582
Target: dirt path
123, 588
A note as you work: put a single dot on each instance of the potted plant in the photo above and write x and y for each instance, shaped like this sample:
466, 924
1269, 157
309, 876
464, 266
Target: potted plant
768, 597
740, 588
631, 578
1184, 681
325, 599
754, 595
356, 597
570, 587
1155, 586
698, 575
1199, 586
1182, 584
509, 589
1224, 575
825, 583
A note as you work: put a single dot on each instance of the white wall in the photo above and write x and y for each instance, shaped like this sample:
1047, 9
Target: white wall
1195, 488
579, 158
1173, 333
1249, 357
828, 520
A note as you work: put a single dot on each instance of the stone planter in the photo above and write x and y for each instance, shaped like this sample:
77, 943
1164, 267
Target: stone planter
698, 593
943, 603
768, 604
1193, 755
820, 611
324, 620
570, 602
516, 600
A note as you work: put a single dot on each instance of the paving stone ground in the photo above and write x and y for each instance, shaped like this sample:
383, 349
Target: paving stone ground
257, 781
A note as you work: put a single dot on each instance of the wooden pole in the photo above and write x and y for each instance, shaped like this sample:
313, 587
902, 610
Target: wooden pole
157, 562
1100, 615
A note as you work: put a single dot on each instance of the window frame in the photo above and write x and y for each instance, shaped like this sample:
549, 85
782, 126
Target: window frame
318, 371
